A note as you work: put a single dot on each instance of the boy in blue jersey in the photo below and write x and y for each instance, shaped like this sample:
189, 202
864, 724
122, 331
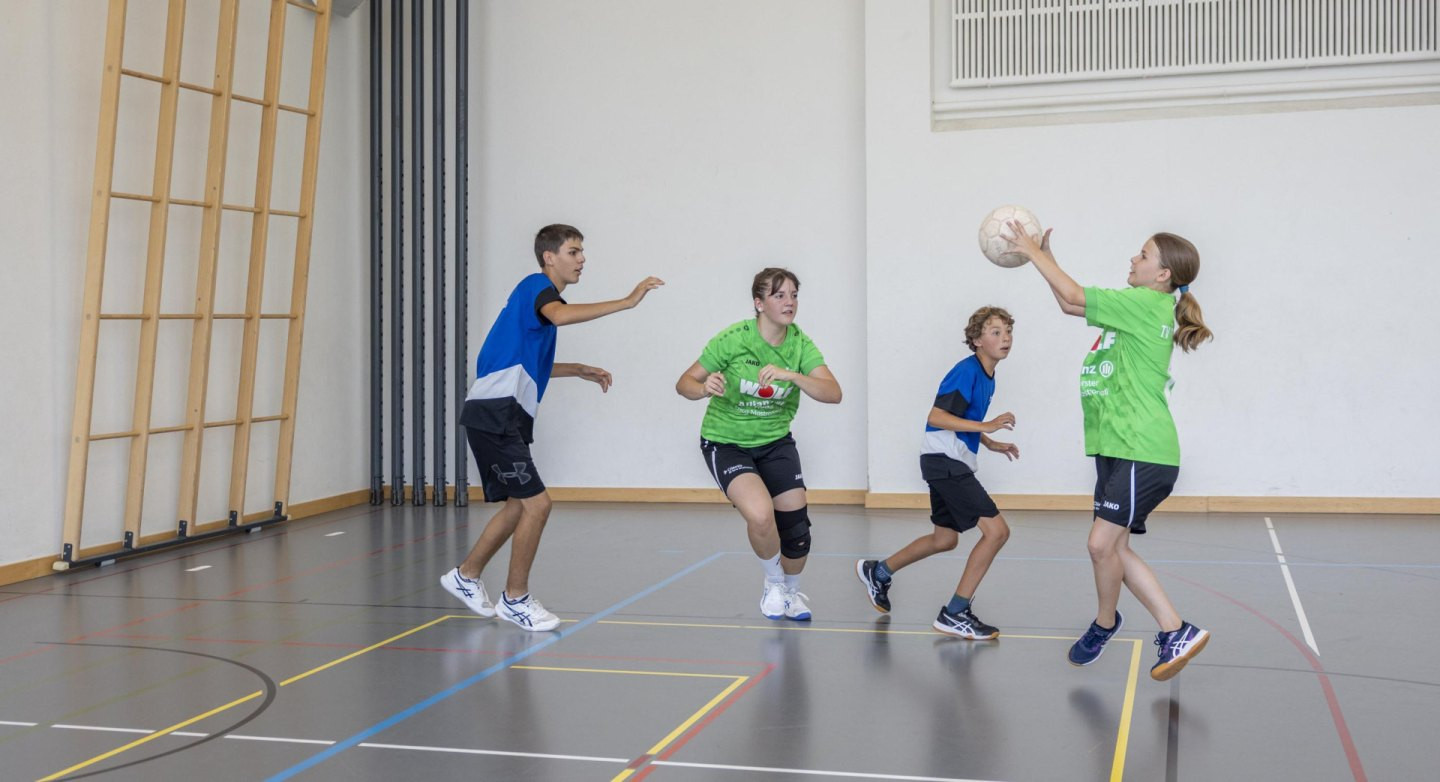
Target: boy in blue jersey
516, 362
954, 432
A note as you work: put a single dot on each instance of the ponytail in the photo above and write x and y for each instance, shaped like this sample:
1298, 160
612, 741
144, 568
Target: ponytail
1182, 259
1190, 323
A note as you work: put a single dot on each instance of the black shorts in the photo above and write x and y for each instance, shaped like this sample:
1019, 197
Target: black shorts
1126, 491
959, 502
777, 463
506, 469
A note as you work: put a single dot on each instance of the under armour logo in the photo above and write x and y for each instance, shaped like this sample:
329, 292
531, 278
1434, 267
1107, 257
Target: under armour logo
519, 473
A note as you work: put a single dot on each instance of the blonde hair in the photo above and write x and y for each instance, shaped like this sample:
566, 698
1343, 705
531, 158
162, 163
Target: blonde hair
1182, 259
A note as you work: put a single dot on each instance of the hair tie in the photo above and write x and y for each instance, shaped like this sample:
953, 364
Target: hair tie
1184, 289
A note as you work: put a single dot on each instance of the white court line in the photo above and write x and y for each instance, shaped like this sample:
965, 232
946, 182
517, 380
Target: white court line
1290, 584
460, 751
333, 534
542, 755
100, 728
848, 774
193, 569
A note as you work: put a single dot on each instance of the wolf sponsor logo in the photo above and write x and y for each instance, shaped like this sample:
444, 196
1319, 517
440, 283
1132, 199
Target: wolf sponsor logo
775, 392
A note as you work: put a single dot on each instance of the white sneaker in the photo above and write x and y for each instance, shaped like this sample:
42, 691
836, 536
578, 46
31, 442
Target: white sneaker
772, 600
795, 607
526, 612
470, 591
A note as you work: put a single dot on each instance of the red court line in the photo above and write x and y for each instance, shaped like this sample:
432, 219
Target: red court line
1348, 743
697, 727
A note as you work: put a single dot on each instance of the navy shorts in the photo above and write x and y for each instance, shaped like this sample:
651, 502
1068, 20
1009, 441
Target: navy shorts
959, 502
1127, 491
506, 469
777, 463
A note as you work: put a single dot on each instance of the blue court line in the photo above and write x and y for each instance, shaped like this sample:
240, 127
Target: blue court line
555, 637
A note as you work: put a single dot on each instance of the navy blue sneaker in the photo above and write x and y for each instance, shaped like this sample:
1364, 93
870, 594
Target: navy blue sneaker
964, 625
879, 590
1092, 644
1176, 649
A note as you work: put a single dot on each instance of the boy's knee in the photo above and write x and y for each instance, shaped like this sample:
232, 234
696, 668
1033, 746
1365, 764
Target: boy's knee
999, 532
945, 539
537, 507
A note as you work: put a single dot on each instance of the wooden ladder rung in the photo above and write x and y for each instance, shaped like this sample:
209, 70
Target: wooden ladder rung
145, 76
295, 110
199, 88
190, 202
247, 99
238, 208
286, 213
134, 197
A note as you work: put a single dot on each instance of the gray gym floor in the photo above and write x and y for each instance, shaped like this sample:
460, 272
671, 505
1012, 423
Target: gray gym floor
325, 649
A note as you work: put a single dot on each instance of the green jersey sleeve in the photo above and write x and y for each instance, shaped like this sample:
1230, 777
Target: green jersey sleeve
718, 352
1128, 311
809, 356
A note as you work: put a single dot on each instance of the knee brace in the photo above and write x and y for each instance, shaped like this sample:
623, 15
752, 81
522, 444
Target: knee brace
794, 529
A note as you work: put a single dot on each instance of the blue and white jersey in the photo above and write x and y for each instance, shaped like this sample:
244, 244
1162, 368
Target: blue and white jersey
965, 392
515, 362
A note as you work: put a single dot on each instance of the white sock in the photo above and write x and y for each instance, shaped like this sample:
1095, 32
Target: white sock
792, 582
773, 571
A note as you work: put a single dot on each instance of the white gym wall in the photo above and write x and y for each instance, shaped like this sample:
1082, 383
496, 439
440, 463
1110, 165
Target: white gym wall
701, 141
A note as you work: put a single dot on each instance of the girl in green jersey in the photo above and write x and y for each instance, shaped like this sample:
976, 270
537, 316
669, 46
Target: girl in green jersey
1124, 386
751, 372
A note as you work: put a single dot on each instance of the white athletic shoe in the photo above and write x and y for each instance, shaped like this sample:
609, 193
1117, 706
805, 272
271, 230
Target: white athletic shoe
795, 607
772, 600
470, 591
526, 612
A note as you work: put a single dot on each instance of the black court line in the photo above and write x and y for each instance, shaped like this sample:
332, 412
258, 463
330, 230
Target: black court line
1172, 734
270, 689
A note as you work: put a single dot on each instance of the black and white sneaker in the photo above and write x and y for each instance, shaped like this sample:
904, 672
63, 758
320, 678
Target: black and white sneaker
879, 590
964, 625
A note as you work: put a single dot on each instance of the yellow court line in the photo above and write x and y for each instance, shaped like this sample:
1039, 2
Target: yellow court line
788, 628
684, 726
1117, 768
616, 670
232, 704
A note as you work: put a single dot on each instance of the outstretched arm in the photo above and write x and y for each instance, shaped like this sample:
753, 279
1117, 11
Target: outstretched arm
584, 372
1068, 293
819, 385
563, 314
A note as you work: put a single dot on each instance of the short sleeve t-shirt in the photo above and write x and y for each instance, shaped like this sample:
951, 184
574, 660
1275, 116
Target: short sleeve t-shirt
751, 415
965, 392
1125, 380
515, 362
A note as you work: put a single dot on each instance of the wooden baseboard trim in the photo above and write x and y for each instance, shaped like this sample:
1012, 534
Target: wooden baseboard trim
43, 566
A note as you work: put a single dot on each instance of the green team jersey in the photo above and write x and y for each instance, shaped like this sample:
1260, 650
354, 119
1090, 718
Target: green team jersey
1125, 381
750, 415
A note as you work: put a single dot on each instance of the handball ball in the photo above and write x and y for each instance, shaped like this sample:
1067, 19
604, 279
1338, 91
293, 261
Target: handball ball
993, 231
